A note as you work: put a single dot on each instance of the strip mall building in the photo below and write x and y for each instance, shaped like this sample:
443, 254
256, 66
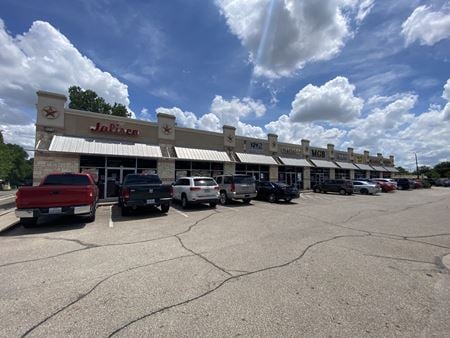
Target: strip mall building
111, 147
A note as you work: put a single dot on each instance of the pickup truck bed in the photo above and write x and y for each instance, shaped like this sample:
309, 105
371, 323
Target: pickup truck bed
57, 194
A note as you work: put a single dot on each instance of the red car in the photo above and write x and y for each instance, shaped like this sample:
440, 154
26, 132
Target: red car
386, 186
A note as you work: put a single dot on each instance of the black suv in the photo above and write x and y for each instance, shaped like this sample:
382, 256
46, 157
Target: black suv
404, 184
343, 187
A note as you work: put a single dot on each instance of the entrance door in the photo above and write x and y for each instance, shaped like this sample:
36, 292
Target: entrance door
112, 182
291, 179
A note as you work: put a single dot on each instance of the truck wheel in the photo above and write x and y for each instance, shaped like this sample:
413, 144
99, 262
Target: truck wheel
342, 192
364, 191
213, 205
165, 207
124, 211
272, 198
91, 217
223, 198
28, 222
184, 202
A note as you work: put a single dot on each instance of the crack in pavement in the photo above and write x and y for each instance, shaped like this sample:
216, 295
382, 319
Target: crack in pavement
273, 267
88, 246
79, 298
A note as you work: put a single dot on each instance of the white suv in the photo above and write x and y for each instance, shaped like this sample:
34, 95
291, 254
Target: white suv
190, 190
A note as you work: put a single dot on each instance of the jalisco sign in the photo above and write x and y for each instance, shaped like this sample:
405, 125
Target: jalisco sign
114, 128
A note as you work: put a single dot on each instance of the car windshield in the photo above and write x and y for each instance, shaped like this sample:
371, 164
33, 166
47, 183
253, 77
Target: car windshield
142, 179
204, 182
244, 180
66, 180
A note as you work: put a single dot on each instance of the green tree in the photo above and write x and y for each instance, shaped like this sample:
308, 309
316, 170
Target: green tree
443, 169
14, 165
402, 170
1, 137
88, 100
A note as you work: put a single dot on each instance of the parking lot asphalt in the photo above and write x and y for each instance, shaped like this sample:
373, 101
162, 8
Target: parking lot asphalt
323, 265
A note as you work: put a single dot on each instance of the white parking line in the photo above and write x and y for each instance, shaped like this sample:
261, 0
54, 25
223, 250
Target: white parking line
7, 211
180, 212
7, 197
111, 223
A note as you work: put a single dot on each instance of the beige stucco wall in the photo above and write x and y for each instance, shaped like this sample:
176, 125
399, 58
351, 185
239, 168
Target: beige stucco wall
273, 173
306, 178
197, 139
46, 163
229, 168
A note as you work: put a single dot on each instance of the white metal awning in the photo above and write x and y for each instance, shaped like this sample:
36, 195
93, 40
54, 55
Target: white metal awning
295, 162
201, 154
256, 159
67, 144
378, 168
364, 166
324, 164
391, 169
346, 165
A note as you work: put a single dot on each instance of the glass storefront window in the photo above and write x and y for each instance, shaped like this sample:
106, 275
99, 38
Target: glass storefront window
129, 162
92, 161
342, 174
360, 174
319, 175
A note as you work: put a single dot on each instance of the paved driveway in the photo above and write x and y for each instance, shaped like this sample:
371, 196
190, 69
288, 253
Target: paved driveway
326, 265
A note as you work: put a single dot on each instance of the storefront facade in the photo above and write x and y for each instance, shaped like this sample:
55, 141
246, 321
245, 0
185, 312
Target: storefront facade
111, 147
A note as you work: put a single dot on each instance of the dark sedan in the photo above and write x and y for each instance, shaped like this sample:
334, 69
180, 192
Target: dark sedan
274, 192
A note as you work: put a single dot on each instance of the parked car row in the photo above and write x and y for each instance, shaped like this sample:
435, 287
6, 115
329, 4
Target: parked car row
77, 194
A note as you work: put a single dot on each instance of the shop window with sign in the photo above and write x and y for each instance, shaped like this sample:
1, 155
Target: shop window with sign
319, 175
197, 168
342, 173
374, 174
360, 174
259, 172
291, 176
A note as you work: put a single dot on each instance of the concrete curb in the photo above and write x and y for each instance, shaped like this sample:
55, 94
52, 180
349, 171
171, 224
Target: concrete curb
8, 220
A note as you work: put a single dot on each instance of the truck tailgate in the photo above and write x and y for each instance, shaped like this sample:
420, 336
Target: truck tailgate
53, 196
146, 191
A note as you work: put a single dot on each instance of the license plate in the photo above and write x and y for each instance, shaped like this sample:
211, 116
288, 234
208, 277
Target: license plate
150, 191
207, 190
151, 201
55, 210
247, 195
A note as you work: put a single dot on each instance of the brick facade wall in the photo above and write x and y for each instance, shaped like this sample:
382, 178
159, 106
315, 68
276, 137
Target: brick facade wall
45, 163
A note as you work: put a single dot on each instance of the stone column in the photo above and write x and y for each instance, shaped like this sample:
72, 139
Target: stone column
273, 143
366, 157
306, 178
273, 173
332, 173
351, 157
352, 174
305, 149
166, 170
330, 152
229, 168
391, 158
166, 128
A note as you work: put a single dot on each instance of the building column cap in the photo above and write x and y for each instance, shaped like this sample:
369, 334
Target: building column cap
270, 134
226, 126
51, 94
169, 116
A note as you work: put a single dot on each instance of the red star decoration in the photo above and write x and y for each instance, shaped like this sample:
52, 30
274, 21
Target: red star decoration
167, 129
230, 138
50, 112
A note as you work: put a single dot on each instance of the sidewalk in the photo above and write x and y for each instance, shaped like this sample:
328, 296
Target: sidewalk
8, 220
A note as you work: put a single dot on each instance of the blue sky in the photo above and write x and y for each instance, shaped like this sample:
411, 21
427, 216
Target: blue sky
362, 73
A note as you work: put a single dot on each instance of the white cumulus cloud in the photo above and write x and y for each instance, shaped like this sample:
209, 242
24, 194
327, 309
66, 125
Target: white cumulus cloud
426, 26
282, 35
44, 59
334, 101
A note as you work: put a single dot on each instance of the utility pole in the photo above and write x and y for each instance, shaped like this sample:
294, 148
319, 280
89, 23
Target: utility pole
417, 166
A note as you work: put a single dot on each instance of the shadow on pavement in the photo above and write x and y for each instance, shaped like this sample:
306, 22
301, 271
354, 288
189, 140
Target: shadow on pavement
136, 215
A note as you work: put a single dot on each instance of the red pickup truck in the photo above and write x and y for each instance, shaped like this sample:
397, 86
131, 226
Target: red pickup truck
58, 194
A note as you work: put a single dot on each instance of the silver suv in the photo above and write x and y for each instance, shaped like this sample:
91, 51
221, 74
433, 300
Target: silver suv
235, 187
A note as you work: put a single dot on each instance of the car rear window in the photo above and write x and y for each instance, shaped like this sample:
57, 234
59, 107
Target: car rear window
142, 179
244, 180
67, 179
204, 182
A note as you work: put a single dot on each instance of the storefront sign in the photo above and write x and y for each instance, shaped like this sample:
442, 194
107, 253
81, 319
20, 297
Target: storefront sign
359, 159
341, 156
291, 151
318, 153
256, 146
114, 128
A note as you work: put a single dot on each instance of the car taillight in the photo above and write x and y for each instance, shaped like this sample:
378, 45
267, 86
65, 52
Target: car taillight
195, 188
233, 187
125, 193
216, 187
